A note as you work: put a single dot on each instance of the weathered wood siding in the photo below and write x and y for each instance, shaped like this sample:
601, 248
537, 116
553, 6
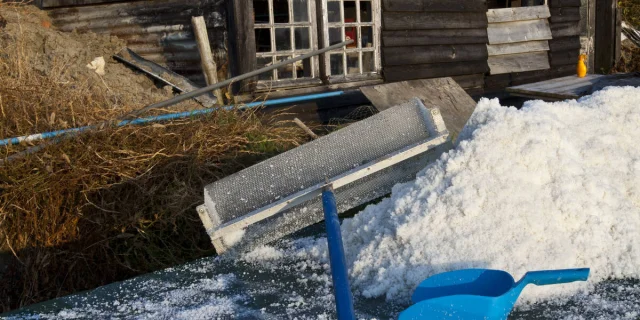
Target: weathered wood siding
435, 38
564, 48
158, 30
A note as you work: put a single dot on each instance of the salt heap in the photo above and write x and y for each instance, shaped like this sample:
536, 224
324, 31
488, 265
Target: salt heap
550, 186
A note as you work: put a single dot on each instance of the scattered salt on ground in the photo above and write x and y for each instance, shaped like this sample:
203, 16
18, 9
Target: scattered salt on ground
554, 185
550, 186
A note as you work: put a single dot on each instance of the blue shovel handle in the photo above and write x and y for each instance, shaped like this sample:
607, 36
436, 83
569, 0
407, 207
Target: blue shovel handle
341, 288
542, 278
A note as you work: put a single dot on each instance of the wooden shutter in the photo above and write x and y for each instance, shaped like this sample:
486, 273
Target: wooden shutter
518, 39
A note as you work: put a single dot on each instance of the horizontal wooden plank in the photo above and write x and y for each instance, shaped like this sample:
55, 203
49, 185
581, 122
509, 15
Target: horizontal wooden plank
498, 81
565, 29
518, 47
518, 14
432, 37
395, 56
475, 91
435, 5
535, 76
434, 70
433, 20
564, 3
470, 80
63, 3
518, 62
565, 14
519, 31
558, 58
565, 43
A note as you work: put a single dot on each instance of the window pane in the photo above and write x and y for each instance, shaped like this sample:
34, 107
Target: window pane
351, 33
303, 68
333, 11
280, 11
285, 72
302, 38
365, 11
350, 11
368, 64
300, 11
366, 37
353, 64
263, 40
283, 39
263, 62
261, 11
335, 35
337, 66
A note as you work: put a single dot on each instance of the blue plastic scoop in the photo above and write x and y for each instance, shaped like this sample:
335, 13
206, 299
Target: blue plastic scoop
478, 293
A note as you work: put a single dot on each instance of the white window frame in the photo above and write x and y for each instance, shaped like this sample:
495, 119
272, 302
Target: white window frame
313, 41
374, 24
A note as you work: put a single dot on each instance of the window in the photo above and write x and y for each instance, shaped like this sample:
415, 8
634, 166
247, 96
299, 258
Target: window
285, 29
289, 28
356, 20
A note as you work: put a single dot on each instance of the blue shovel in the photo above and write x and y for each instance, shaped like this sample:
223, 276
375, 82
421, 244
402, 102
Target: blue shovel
478, 293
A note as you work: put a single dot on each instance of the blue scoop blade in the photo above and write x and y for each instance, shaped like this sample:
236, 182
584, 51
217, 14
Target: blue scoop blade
434, 310
480, 282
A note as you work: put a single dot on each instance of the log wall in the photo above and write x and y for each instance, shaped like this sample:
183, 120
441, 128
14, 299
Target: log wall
435, 38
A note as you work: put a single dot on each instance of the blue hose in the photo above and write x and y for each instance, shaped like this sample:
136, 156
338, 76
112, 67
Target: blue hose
170, 116
341, 289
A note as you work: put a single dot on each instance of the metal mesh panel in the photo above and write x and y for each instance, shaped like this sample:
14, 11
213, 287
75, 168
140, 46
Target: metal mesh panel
310, 164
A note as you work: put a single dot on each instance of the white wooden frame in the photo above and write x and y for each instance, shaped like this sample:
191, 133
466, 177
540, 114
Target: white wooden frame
273, 54
374, 24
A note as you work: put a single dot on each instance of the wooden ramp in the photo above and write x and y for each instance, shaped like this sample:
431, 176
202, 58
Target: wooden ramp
572, 87
454, 103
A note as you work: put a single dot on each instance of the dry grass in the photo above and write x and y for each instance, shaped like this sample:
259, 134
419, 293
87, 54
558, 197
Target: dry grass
630, 10
115, 203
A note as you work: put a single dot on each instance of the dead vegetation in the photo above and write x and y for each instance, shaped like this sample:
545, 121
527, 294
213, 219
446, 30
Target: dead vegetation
115, 203
629, 53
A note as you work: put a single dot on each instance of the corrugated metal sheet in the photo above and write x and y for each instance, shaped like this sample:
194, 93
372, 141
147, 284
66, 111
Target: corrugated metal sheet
158, 30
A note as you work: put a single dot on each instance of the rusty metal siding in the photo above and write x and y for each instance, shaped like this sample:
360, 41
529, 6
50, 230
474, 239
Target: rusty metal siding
158, 30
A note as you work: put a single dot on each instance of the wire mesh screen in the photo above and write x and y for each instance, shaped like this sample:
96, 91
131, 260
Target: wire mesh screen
327, 157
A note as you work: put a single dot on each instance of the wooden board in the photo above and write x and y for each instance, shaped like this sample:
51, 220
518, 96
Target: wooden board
518, 14
470, 80
520, 31
558, 58
564, 3
433, 70
433, 37
435, 5
433, 20
455, 105
518, 47
395, 56
565, 43
518, 62
565, 29
541, 75
570, 87
565, 14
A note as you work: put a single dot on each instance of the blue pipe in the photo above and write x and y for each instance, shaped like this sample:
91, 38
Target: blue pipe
341, 288
170, 116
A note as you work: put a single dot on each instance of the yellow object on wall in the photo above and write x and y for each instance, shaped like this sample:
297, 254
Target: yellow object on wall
582, 68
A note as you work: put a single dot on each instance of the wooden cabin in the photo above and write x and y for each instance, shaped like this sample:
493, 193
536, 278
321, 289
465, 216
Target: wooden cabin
484, 45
